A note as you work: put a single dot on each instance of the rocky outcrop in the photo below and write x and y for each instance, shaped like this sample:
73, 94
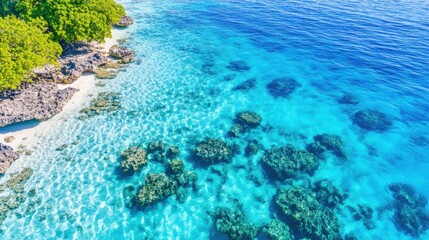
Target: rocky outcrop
77, 58
7, 157
125, 21
39, 101
122, 53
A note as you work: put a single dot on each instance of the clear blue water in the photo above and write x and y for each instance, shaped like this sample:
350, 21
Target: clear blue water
375, 50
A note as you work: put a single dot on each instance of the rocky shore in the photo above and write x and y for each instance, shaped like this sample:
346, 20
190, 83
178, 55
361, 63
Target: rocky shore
42, 98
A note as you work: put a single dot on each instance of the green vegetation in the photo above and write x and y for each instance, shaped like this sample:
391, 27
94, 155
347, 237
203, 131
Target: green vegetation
22, 48
29, 30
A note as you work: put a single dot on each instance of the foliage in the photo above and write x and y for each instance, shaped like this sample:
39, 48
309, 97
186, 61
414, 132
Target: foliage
68, 20
22, 48
77, 20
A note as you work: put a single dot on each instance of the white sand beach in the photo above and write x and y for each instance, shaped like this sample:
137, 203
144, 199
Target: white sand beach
24, 134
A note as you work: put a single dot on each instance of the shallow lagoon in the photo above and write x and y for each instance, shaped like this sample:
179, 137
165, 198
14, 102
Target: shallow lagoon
183, 88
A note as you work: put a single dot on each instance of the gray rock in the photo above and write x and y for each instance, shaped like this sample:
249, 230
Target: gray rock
77, 58
124, 54
39, 101
125, 21
7, 157
73, 67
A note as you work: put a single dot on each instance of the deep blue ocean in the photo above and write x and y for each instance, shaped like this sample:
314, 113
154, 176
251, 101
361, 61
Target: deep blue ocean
187, 84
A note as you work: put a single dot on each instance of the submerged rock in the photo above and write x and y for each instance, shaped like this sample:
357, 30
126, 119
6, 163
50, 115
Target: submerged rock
248, 119
238, 66
173, 152
410, 213
157, 187
277, 230
282, 87
7, 157
246, 85
176, 166
125, 21
365, 213
157, 146
229, 77
244, 122
16, 196
252, 148
303, 210
327, 142
372, 120
231, 221
38, 101
213, 150
105, 102
348, 98
122, 53
103, 73
285, 162
133, 159
327, 194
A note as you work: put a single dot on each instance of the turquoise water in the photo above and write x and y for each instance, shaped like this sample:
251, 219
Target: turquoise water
177, 92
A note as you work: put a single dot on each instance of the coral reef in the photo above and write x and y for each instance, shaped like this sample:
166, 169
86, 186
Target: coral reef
176, 166
246, 85
312, 219
105, 102
13, 199
158, 186
173, 152
282, 87
252, 148
277, 230
213, 150
133, 159
372, 120
244, 122
348, 98
157, 146
285, 162
364, 213
410, 214
327, 142
327, 194
229, 77
232, 222
238, 66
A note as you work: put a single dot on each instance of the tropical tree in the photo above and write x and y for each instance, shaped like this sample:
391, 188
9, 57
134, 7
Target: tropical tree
23, 47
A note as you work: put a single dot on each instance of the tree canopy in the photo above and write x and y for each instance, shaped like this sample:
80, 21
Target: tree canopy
22, 48
68, 20
30, 31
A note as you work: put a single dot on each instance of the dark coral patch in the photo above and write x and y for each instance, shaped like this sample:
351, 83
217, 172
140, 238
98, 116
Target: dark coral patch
213, 150
282, 87
238, 66
312, 219
286, 162
372, 120
246, 85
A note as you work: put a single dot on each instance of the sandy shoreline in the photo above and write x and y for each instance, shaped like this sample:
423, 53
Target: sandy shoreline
25, 133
